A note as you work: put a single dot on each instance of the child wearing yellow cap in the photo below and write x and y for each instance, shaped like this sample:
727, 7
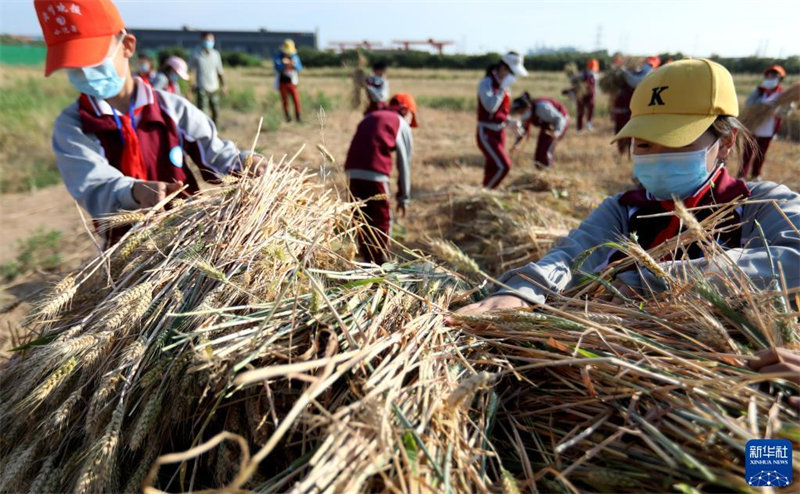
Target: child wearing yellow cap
287, 66
683, 126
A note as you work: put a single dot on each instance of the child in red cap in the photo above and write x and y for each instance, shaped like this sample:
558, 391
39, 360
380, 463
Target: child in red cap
369, 164
122, 144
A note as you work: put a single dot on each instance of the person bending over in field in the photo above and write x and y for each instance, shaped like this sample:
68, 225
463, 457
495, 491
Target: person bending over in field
683, 128
122, 144
369, 164
550, 116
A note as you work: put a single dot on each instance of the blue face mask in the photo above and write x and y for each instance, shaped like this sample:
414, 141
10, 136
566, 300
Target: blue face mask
173, 77
100, 81
208, 44
672, 174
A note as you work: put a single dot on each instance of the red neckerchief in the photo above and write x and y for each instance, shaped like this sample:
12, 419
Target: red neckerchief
769, 92
725, 189
132, 164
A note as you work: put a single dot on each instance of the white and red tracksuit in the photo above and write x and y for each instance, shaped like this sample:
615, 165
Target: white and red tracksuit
369, 165
494, 106
552, 118
753, 162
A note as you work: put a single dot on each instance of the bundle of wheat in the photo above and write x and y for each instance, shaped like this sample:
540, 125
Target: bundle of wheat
754, 115
501, 230
602, 398
612, 81
147, 351
647, 395
790, 125
357, 78
577, 89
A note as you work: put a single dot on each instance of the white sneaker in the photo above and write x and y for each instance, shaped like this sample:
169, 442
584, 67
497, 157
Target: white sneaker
589, 126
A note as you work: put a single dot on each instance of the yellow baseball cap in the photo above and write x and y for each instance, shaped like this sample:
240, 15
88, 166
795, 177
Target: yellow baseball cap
679, 101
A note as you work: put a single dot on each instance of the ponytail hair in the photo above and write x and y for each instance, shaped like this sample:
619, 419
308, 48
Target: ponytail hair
496, 66
745, 143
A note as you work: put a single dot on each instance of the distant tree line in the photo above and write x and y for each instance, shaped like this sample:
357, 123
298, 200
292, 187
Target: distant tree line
544, 62
422, 59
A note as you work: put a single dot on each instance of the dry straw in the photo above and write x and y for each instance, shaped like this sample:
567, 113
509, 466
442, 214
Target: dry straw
754, 115
500, 230
311, 373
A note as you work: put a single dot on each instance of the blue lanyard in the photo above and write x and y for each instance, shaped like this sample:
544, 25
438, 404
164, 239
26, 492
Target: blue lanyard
130, 115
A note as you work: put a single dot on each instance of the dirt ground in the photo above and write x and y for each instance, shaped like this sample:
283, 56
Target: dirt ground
445, 156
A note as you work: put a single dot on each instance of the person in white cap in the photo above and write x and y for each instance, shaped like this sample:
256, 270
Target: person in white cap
494, 107
173, 70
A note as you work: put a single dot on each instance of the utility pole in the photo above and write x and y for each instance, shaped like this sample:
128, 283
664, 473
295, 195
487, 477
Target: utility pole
598, 40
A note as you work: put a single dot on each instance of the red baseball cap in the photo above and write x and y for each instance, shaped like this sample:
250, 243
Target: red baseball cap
776, 68
405, 101
653, 61
77, 33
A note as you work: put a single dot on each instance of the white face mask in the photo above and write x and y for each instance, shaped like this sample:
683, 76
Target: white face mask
672, 174
100, 81
770, 83
507, 81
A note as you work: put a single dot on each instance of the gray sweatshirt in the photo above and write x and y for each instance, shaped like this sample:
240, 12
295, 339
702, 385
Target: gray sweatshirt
609, 222
102, 189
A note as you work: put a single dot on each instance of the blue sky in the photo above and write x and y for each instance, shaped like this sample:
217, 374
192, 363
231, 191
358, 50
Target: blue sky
698, 28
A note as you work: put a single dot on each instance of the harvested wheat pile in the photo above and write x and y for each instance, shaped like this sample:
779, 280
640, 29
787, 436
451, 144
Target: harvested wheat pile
545, 181
501, 230
645, 395
147, 351
790, 126
754, 115
577, 88
582, 196
231, 343
612, 81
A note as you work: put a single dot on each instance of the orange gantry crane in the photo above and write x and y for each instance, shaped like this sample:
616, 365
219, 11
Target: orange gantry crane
437, 44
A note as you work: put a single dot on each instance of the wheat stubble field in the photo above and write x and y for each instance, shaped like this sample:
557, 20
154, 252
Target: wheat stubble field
339, 377
445, 154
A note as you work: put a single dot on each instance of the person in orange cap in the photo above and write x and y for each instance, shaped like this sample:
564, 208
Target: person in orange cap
766, 92
122, 145
621, 112
586, 103
369, 165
